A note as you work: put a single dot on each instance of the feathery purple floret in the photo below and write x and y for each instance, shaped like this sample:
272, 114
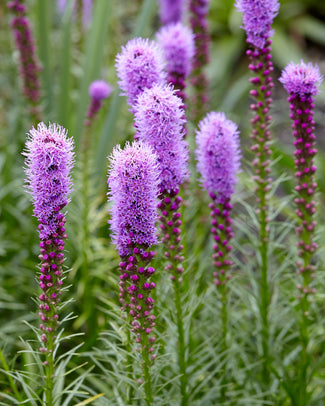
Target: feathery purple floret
218, 155
171, 11
139, 66
133, 183
258, 17
49, 160
99, 89
177, 43
159, 120
301, 79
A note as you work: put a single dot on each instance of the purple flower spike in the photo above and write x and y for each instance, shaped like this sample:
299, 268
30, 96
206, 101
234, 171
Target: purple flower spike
302, 79
99, 90
139, 66
159, 122
301, 82
133, 183
171, 11
49, 159
29, 66
218, 155
177, 43
258, 16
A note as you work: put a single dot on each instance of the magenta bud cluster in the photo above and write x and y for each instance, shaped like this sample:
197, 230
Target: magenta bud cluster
198, 19
136, 295
222, 234
139, 66
258, 16
218, 155
159, 120
170, 223
29, 66
133, 184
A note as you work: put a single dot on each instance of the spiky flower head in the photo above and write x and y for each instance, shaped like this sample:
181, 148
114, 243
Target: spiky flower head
171, 11
178, 45
159, 120
99, 90
139, 66
218, 155
258, 16
133, 184
301, 79
49, 160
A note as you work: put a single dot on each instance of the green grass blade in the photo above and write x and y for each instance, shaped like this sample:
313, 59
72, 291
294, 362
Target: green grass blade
43, 13
96, 41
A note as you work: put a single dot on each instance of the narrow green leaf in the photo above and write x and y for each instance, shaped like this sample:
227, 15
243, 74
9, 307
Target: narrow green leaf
43, 12
85, 402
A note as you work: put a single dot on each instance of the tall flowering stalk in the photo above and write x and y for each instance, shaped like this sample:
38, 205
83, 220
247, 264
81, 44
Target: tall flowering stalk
99, 90
218, 157
133, 183
49, 160
198, 18
258, 16
139, 66
171, 11
29, 66
177, 44
159, 120
301, 81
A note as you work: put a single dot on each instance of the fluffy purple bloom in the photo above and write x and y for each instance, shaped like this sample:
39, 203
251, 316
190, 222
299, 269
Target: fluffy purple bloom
139, 66
177, 43
133, 183
159, 120
218, 155
258, 17
99, 89
49, 159
301, 79
171, 11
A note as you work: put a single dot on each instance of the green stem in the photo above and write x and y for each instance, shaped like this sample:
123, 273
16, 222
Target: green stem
146, 368
49, 371
10, 379
181, 338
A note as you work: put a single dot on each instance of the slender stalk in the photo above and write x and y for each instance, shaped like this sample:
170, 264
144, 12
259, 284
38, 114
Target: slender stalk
170, 221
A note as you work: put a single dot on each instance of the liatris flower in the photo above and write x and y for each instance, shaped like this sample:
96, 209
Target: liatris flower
159, 120
139, 66
218, 157
133, 183
198, 19
177, 43
49, 159
301, 81
171, 11
258, 16
98, 91
29, 67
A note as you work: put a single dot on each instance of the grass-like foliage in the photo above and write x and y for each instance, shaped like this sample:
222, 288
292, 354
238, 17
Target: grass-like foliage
165, 275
